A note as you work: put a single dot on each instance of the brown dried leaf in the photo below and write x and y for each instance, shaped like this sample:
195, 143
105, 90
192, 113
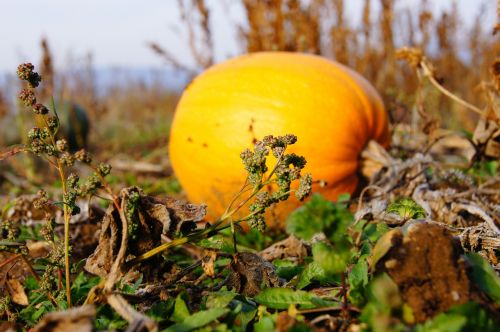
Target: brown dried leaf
77, 319
207, 262
138, 321
101, 260
16, 292
373, 158
291, 248
38, 249
249, 272
487, 137
151, 218
23, 211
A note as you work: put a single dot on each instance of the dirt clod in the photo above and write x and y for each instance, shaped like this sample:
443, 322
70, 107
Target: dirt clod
428, 268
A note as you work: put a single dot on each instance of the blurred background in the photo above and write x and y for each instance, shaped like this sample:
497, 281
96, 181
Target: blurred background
125, 62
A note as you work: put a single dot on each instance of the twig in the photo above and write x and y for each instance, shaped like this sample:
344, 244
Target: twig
478, 212
428, 72
115, 272
12, 151
135, 318
9, 260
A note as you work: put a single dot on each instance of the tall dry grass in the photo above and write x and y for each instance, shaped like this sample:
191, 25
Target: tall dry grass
124, 117
462, 55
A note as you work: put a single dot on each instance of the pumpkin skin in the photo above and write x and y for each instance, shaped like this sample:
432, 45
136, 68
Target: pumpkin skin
332, 110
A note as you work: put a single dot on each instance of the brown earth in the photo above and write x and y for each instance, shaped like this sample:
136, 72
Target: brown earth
428, 267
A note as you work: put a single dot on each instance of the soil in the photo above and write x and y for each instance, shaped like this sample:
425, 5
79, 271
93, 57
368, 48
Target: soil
429, 269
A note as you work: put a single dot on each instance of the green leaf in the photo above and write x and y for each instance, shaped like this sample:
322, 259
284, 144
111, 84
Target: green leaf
197, 320
484, 276
265, 324
287, 269
218, 242
107, 319
181, 311
245, 312
469, 316
30, 283
220, 299
491, 167
359, 274
443, 323
282, 298
384, 304
478, 318
374, 231
81, 286
161, 311
333, 260
313, 271
384, 244
358, 279
407, 208
131, 288
309, 219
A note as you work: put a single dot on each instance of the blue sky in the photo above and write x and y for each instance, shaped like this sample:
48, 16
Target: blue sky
116, 31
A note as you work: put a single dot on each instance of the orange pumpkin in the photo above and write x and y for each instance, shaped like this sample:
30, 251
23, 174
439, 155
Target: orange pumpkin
332, 110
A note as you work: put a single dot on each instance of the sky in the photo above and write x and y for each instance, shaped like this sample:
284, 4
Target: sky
116, 32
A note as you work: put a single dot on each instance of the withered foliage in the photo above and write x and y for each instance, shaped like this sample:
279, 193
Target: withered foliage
324, 28
148, 219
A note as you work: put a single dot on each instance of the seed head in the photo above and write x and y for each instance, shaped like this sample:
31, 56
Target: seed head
305, 187
52, 123
37, 146
72, 180
27, 96
34, 133
83, 156
258, 222
40, 109
25, 72
50, 150
41, 199
67, 159
62, 145
104, 169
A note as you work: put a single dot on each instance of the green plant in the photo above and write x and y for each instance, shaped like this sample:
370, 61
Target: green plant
260, 178
44, 142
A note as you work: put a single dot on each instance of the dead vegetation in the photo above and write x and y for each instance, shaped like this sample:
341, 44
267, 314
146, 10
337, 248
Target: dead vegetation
428, 205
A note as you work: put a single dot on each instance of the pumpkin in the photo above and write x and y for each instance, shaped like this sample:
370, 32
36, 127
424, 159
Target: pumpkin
332, 110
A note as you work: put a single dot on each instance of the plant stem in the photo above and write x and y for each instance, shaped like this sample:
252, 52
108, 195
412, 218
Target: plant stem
35, 275
11, 259
205, 233
67, 218
427, 72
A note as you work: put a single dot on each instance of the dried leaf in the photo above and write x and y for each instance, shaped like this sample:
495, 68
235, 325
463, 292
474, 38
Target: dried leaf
249, 272
290, 248
138, 321
16, 292
147, 219
77, 319
487, 134
208, 261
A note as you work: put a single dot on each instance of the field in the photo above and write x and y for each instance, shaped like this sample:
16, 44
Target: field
103, 227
